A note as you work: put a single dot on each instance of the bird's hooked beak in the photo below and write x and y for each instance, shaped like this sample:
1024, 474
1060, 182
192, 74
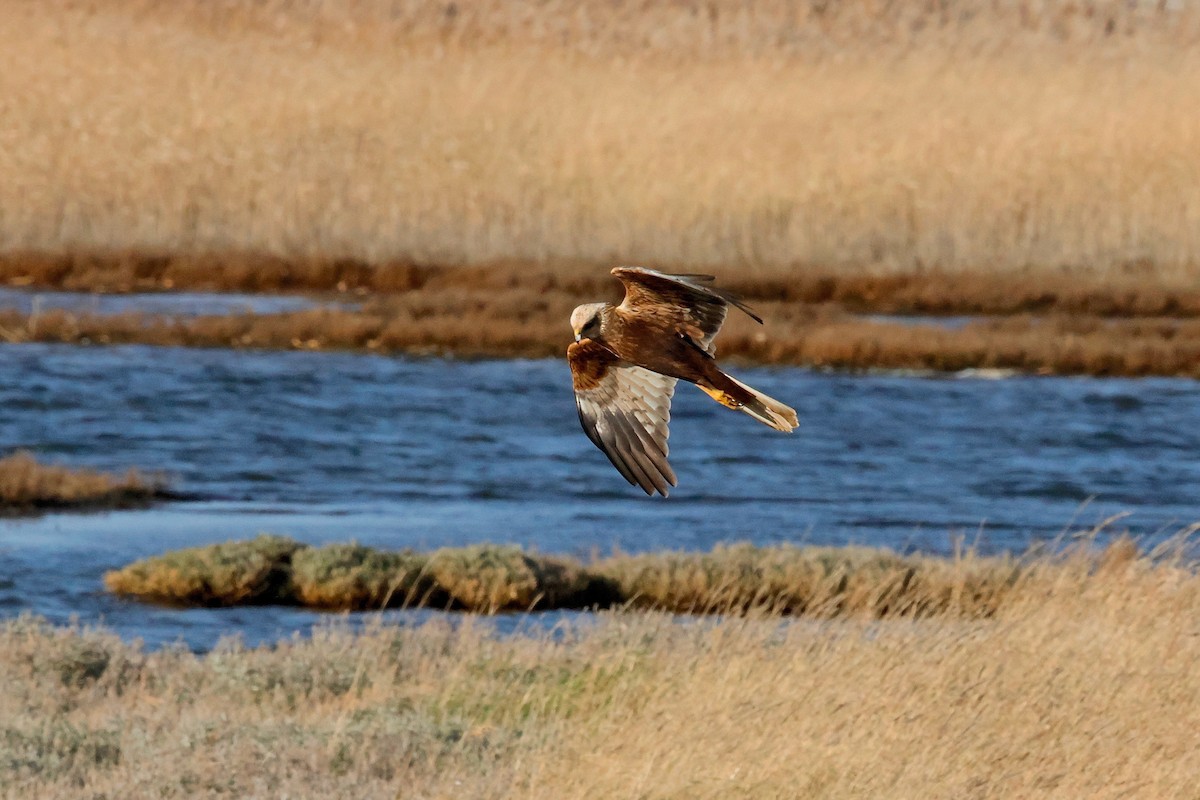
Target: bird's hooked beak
578, 336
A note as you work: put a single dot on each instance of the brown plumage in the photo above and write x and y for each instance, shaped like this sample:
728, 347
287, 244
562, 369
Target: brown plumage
626, 360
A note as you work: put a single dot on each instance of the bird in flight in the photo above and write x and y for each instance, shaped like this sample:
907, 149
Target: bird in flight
626, 359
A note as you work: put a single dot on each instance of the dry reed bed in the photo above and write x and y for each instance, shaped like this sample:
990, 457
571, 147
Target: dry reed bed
1080, 685
760, 138
1133, 292
29, 487
509, 323
811, 581
713, 30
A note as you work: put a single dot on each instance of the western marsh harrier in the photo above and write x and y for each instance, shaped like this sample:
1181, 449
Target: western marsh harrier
626, 359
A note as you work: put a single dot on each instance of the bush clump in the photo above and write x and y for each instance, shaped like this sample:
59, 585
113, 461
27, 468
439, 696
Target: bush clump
355, 577
251, 572
504, 578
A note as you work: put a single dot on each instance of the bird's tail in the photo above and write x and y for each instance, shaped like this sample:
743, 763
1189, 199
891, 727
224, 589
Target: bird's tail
766, 410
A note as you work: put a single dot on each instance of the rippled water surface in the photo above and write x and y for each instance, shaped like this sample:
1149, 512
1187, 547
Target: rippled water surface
402, 452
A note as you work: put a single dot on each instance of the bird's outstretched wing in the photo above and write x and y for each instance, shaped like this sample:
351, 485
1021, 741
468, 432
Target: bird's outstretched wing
691, 301
625, 411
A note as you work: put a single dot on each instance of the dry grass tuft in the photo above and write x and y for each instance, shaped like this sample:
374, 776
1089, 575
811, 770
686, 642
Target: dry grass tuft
1081, 683
28, 487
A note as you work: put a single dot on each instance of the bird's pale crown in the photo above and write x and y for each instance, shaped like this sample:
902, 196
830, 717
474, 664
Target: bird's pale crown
582, 316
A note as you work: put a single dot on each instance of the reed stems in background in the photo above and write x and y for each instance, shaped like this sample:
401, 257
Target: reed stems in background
759, 139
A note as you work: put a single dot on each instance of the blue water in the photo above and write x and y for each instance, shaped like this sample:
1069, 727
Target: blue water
402, 452
953, 323
186, 304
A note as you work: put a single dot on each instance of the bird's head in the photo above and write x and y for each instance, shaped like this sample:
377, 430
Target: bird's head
585, 321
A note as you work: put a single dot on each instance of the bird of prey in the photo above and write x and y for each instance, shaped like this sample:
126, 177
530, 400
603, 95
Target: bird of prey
626, 359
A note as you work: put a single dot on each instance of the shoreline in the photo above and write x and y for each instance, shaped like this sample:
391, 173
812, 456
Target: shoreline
1139, 290
1035, 322
497, 327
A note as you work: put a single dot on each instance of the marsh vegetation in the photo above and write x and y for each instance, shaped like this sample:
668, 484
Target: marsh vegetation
28, 486
963, 136
1081, 684
488, 164
470, 171
821, 582
814, 320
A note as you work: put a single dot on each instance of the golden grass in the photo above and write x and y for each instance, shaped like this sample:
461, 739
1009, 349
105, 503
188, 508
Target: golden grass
965, 135
812, 581
29, 487
1081, 685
